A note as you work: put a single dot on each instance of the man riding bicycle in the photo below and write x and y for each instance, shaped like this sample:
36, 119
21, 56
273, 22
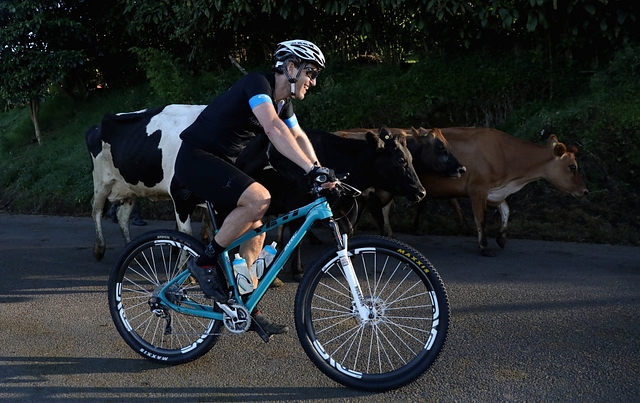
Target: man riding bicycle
258, 102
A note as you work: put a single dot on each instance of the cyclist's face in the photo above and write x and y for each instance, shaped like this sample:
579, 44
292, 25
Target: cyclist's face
307, 79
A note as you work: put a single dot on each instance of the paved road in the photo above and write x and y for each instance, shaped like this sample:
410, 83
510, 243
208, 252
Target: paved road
541, 322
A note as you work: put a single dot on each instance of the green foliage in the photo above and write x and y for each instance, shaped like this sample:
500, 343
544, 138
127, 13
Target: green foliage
32, 48
391, 30
604, 124
479, 89
16, 130
171, 81
168, 76
598, 113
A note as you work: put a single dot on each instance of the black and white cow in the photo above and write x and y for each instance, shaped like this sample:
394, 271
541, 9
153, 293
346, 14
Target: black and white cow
133, 155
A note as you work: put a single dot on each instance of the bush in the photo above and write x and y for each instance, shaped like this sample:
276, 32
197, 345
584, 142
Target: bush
598, 113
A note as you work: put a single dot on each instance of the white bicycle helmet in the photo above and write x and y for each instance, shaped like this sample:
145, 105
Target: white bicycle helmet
298, 49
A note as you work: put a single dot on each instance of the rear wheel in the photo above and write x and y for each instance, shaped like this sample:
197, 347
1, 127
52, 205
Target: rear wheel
150, 329
407, 325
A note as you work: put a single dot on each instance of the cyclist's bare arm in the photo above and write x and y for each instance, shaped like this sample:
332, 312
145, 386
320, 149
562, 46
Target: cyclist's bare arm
292, 143
304, 142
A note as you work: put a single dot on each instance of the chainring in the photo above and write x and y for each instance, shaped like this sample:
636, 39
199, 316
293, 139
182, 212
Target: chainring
241, 323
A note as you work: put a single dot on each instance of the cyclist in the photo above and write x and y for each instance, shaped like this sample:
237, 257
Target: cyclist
257, 102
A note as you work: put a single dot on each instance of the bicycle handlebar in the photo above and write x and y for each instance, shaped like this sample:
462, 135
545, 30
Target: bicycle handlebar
341, 188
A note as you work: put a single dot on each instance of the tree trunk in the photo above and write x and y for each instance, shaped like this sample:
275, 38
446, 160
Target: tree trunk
34, 107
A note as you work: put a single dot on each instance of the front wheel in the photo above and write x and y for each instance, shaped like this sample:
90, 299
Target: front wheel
150, 329
407, 325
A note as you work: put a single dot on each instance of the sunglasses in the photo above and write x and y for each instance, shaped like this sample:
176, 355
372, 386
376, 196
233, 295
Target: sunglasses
311, 72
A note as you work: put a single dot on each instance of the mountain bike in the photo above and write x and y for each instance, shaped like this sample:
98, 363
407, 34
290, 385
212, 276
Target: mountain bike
371, 312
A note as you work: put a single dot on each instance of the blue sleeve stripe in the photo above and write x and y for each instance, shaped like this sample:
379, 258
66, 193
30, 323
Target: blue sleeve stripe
291, 122
259, 99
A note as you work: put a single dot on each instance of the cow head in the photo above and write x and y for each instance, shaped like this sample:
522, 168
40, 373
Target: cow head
434, 153
563, 171
394, 165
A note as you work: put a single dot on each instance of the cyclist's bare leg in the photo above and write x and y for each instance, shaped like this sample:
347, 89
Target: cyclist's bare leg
252, 206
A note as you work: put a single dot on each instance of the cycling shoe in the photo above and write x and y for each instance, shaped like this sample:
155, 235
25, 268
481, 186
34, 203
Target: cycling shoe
269, 327
208, 280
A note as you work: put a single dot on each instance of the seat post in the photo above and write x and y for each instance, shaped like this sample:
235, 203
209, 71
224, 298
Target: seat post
212, 216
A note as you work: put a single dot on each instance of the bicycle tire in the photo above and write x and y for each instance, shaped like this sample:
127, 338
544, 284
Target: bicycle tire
164, 336
409, 328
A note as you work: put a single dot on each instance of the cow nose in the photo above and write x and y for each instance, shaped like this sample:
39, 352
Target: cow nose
579, 193
462, 169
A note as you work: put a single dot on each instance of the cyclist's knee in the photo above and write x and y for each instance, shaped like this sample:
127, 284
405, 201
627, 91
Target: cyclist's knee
255, 198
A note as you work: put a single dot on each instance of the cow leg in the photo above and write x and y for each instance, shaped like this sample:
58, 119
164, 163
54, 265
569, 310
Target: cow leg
386, 211
375, 208
184, 226
464, 225
386, 200
280, 239
356, 213
312, 238
97, 210
479, 205
456, 207
123, 213
206, 232
504, 214
417, 209
295, 263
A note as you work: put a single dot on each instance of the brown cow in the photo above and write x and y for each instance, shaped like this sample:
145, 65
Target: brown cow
498, 165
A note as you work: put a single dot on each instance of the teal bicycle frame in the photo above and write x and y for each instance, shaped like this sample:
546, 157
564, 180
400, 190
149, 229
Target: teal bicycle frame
313, 212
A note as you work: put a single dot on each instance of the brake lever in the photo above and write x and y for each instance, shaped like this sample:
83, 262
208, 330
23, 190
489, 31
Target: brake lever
355, 192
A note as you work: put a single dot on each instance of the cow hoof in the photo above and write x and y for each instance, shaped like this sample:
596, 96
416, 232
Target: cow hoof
98, 253
277, 283
488, 253
502, 241
297, 277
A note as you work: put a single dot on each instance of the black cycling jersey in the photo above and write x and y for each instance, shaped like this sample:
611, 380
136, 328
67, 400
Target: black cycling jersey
227, 124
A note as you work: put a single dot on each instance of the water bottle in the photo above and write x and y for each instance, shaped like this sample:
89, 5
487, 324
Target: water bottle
243, 277
263, 261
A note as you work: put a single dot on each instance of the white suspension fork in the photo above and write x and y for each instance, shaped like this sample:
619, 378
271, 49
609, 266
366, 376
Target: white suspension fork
352, 279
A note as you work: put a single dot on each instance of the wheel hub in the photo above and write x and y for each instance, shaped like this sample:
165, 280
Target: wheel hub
174, 294
377, 311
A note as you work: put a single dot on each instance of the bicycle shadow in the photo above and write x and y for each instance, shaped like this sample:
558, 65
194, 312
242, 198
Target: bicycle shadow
27, 379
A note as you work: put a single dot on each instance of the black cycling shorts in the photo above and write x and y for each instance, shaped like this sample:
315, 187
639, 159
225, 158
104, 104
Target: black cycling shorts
210, 177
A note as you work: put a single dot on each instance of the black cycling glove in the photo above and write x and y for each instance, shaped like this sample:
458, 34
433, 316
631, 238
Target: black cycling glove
319, 175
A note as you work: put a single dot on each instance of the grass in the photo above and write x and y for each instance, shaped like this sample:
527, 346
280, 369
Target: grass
599, 117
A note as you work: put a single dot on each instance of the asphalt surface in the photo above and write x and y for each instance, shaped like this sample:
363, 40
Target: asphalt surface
541, 322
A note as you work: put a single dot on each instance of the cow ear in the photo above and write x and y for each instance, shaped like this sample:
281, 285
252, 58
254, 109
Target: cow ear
559, 149
373, 140
385, 133
573, 150
553, 140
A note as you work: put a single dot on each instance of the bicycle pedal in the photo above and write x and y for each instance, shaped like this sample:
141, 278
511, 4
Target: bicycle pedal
255, 326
